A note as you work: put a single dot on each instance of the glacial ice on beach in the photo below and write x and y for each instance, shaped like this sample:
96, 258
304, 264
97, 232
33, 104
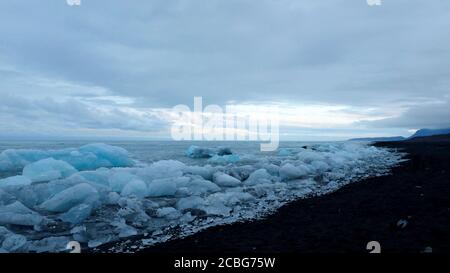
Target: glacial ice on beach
96, 194
88, 157
17, 214
18, 180
48, 169
200, 152
63, 201
10, 242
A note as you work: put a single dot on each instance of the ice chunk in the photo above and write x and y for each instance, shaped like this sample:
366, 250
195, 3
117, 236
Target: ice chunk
11, 242
17, 180
162, 169
136, 188
290, 172
88, 157
99, 241
199, 152
285, 152
168, 212
12, 159
123, 229
320, 166
225, 180
106, 156
113, 198
118, 180
6, 198
98, 177
162, 187
77, 214
71, 197
224, 159
18, 214
48, 169
205, 171
230, 198
49, 244
308, 156
258, 176
192, 202
198, 185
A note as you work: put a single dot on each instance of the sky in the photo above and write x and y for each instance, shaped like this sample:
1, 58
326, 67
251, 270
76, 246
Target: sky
336, 69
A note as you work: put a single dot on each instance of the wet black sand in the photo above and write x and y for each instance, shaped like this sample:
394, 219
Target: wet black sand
417, 192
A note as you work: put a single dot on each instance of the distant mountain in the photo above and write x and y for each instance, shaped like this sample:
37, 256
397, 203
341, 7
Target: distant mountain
379, 139
430, 132
435, 138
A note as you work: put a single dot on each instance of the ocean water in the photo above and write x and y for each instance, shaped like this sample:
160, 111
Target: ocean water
108, 192
152, 151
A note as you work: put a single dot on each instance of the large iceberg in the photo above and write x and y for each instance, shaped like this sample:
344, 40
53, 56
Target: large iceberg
96, 194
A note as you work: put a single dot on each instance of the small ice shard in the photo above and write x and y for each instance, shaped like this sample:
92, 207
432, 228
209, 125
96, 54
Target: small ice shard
230, 198
162, 187
123, 229
291, 172
136, 188
428, 249
258, 176
216, 207
77, 214
71, 197
168, 212
402, 223
48, 169
225, 180
192, 202
99, 241
49, 244
79, 234
18, 214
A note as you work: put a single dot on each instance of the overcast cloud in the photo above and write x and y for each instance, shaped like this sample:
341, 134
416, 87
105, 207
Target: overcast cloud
115, 67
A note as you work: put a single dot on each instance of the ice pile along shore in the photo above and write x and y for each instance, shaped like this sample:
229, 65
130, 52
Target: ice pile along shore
96, 194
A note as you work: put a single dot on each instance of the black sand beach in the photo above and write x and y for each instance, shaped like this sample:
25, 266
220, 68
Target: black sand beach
417, 192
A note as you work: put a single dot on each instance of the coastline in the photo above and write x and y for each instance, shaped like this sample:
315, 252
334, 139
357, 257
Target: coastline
416, 193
